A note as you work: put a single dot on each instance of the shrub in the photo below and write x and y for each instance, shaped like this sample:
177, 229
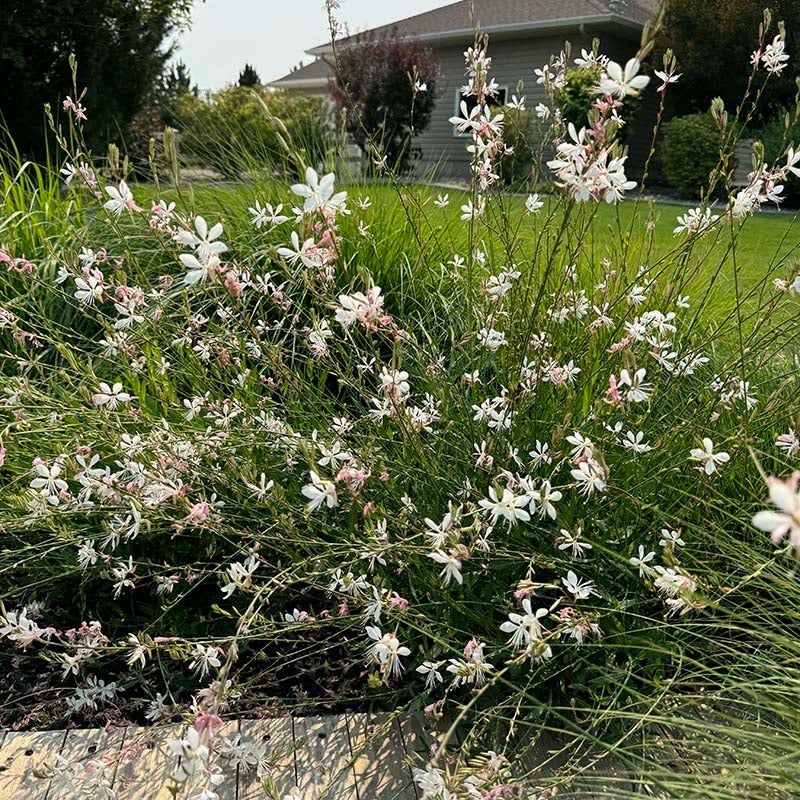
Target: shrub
690, 151
241, 129
387, 83
516, 169
576, 98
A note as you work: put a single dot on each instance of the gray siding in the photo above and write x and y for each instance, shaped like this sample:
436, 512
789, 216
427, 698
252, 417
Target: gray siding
513, 60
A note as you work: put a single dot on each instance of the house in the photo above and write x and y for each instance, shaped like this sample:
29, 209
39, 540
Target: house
523, 34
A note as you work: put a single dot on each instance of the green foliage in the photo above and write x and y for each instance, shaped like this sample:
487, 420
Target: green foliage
239, 129
519, 134
120, 45
710, 37
174, 84
249, 77
576, 97
689, 153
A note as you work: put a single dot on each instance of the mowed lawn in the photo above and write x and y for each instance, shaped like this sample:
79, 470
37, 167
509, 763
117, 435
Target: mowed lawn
408, 228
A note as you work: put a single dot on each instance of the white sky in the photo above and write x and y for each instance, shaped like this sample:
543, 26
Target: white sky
272, 35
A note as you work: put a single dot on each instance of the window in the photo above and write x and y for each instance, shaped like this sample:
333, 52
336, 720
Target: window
498, 100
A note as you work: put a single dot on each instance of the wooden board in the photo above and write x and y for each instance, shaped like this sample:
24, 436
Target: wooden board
147, 763
323, 759
380, 767
422, 737
88, 745
277, 736
24, 754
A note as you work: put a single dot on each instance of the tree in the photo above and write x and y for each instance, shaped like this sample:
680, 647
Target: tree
121, 52
713, 42
388, 84
249, 77
176, 82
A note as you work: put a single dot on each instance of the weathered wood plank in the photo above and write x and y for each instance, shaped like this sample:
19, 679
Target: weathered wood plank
380, 765
92, 756
275, 738
227, 789
423, 737
147, 763
21, 757
323, 759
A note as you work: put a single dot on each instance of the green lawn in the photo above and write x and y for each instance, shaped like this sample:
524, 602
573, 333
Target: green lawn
633, 234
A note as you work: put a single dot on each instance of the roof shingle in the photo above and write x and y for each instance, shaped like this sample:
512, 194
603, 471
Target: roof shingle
318, 70
499, 14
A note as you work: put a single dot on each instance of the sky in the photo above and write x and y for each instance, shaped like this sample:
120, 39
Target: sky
272, 35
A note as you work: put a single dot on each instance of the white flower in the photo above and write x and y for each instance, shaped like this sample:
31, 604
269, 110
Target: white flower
121, 198
88, 289
431, 783
670, 537
348, 583
473, 212
696, 220
708, 457
620, 83
544, 497
634, 442
524, 627
48, 482
792, 160
110, 396
573, 543
268, 214
430, 669
318, 193
641, 562
582, 446
366, 309
533, 203
666, 78
589, 477
204, 658
442, 201
387, 652
335, 456
638, 390
204, 241
452, 566
508, 506
786, 521
261, 489
198, 270
491, 339
578, 588
775, 56
540, 454
672, 582
320, 491
789, 443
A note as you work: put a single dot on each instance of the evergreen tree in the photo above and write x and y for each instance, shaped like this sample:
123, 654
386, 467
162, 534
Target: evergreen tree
121, 52
249, 77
